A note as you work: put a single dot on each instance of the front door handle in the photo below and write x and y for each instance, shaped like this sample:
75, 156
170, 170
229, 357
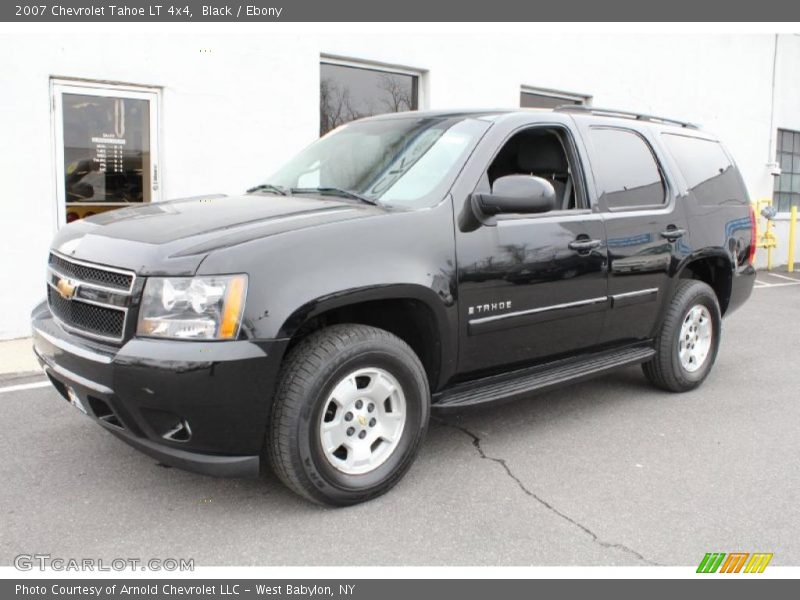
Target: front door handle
584, 245
672, 234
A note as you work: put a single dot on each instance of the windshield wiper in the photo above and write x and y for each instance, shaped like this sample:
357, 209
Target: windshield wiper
335, 191
268, 187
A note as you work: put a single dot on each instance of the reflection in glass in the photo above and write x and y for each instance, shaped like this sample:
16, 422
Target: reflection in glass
408, 160
626, 171
787, 184
350, 93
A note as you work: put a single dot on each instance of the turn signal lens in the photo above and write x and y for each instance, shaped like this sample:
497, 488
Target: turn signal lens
232, 308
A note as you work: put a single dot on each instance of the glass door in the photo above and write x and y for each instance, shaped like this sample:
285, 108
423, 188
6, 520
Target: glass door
106, 141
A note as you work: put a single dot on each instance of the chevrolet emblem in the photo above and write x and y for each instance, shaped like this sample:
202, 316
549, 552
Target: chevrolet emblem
66, 288
362, 420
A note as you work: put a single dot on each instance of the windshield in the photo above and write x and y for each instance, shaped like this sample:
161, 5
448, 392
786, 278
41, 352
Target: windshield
407, 161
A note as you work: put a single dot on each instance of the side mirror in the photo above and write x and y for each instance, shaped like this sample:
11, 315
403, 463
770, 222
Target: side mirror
518, 194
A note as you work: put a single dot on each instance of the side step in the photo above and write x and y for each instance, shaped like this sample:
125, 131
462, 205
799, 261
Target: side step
541, 377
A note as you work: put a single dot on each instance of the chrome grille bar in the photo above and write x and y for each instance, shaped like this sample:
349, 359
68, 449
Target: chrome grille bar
97, 306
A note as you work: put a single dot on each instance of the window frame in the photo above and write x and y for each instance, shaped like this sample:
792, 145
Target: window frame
668, 187
109, 89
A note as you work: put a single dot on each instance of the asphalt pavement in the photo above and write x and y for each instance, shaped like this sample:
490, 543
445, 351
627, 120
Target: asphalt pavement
607, 472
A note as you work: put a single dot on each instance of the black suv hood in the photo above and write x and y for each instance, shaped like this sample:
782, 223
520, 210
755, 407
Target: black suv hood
173, 237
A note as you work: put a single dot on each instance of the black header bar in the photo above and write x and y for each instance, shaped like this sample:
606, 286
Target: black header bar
408, 10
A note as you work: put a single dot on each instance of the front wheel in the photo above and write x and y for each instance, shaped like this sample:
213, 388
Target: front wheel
349, 414
687, 344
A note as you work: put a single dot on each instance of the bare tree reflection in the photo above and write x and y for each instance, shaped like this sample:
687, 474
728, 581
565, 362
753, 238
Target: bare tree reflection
340, 102
398, 95
335, 106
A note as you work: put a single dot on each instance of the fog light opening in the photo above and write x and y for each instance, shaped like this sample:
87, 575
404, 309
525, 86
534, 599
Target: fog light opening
180, 432
103, 411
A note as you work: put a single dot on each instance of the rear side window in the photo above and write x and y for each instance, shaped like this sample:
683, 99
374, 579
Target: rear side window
625, 169
708, 171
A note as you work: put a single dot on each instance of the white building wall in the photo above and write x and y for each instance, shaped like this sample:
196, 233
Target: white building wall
235, 107
787, 116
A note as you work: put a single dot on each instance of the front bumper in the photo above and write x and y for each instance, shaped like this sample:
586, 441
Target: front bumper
200, 406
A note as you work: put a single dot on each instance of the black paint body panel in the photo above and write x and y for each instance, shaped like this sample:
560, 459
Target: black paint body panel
504, 295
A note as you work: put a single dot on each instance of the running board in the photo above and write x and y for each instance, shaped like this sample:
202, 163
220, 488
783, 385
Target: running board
522, 382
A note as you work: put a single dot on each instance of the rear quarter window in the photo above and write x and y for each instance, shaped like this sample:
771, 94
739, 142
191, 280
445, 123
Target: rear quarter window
627, 174
709, 173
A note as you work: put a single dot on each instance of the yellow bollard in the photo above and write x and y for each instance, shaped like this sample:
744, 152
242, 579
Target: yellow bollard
766, 238
767, 232
792, 237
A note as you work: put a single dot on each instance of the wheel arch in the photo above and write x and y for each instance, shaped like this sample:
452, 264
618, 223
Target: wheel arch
713, 267
414, 313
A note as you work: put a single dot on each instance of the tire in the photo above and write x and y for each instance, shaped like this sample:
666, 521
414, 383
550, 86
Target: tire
694, 307
335, 371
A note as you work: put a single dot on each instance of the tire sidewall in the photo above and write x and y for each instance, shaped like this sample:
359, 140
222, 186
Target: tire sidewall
700, 296
332, 483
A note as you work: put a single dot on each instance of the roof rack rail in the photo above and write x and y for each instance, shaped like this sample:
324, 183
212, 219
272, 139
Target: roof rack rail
610, 112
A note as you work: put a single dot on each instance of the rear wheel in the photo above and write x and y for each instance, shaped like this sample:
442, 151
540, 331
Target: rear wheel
349, 414
687, 344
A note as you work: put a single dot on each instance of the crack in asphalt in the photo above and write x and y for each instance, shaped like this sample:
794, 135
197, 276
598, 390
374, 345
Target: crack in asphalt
476, 442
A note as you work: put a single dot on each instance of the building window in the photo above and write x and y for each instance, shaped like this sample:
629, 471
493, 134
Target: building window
787, 184
106, 147
530, 97
349, 91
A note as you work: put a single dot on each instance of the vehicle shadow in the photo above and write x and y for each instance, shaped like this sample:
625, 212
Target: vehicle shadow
500, 423
448, 483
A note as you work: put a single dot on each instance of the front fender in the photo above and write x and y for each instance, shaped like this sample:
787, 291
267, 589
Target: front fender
438, 315
436, 301
395, 254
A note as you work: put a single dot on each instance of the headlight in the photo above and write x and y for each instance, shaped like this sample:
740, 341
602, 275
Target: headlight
207, 308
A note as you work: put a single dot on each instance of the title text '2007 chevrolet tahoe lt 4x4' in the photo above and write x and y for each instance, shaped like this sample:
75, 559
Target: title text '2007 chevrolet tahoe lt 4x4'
402, 263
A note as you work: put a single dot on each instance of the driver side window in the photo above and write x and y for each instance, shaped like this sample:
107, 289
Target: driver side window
542, 152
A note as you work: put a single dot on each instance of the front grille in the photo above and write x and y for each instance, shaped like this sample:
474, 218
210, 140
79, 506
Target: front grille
88, 299
85, 273
98, 320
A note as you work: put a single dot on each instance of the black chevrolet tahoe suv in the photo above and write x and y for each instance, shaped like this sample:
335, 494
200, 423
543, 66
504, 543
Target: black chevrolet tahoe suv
402, 264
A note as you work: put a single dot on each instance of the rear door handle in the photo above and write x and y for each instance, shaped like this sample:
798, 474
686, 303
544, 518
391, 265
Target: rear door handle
583, 245
672, 234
